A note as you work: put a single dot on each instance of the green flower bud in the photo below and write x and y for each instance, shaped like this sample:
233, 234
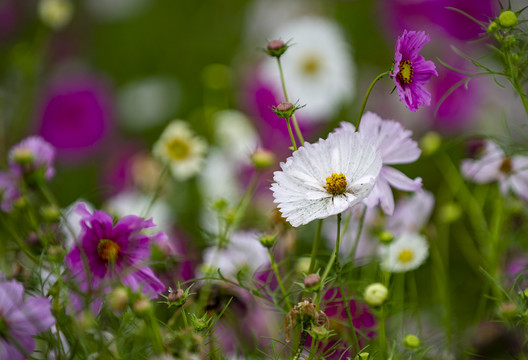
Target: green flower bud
508, 18
376, 294
50, 213
320, 333
142, 307
262, 159
312, 282
363, 356
268, 240
276, 48
450, 212
386, 237
492, 27
411, 341
430, 143
55, 13
508, 310
118, 299
178, 297
56, 253
286, 109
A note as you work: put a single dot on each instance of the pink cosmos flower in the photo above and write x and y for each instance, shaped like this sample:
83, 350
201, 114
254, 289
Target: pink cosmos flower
494, 165
395, 146
411, 72
32, 155
113, 252
20, 320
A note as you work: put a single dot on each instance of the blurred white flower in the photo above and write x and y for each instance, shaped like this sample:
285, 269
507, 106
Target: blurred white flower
411, 213
318, 67
406, 252
325, 178
148, 102
235, 134
70, 223
181, 150
243, 252
112, 10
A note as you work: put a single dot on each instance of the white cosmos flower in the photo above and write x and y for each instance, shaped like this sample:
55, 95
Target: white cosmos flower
318, 67
406, 252
325, 178
181, 150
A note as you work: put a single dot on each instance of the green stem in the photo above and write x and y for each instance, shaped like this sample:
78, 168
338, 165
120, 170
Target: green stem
279, 279
295, 124
157, 190
315, 246
358, 234
21, 244
291, 134
184, 316
302, 341
367, 96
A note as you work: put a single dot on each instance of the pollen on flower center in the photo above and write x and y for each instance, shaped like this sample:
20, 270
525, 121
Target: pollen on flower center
506, 166
178, 149
336, 184
406, 72
405, 256
311, 65
108, 250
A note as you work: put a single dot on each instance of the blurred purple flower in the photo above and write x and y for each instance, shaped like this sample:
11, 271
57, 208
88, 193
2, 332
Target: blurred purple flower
411, 213
76, 114
32, 155
8, 191
432, 15
20, 320
411, 71
494, 165
113, 252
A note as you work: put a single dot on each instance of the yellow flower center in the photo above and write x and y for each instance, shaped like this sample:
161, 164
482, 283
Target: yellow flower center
311, 65
178, 149
405, 256
108, 250
336, 184
406, 72
506, 166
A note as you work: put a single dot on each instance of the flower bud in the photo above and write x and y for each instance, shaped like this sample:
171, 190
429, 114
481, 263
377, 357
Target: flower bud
262, 159
285, 110
450, 212
386, 237
363, 356
55, 13
142, 306
320, 333
56, 253
118, 299
311, 282
508, 18
376, 294
508, 310
411, 341
50, 213
276, 48
23, 156
85, 320
525, 293
430, 143
268, 240
200, 324
492, 27
177, 297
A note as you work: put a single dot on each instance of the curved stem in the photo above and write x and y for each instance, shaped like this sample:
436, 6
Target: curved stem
315, 246
295, 124
367, 96
279, 279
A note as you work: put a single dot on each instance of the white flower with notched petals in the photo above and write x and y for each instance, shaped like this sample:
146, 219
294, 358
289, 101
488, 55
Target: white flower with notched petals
181, 150
395, 146
318, 67
406, 252
326, 178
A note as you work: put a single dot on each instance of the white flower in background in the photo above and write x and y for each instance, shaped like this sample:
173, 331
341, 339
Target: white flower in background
136, 203
411, 213
148, 102
55, 13
326, 178
407, 252
494, 165
113, 10
70, 223
235, 134
181, 150
318, 67
395, 146
243, 252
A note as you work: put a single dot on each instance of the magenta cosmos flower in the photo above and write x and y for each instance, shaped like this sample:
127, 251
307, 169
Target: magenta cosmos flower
20, 320
113, 252
411, 72
32, 155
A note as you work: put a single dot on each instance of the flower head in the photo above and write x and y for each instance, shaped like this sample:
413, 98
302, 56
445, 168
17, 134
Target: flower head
493, 164
407, 252
113, 252
411, 72
181, 150
326, 178
395, 146
31, 156
21, 319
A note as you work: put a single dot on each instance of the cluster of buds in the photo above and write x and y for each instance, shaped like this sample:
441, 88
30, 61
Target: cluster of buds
308, 317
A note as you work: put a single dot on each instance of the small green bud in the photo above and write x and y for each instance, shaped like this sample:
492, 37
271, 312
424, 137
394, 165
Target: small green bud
508, 310
363, 356
50, 213
142, 306
118, 299
320, 333
303, 264
285, 110
220, 205
450, 212
85, 320
178, 297
23, 156
21, 203
312, 282
492, 27
386, 237
525, 293
276, 48
430, 143
56, 253
200, 324
268, 240
376, 294
55, 13
411, 342
262, 159
508, 18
